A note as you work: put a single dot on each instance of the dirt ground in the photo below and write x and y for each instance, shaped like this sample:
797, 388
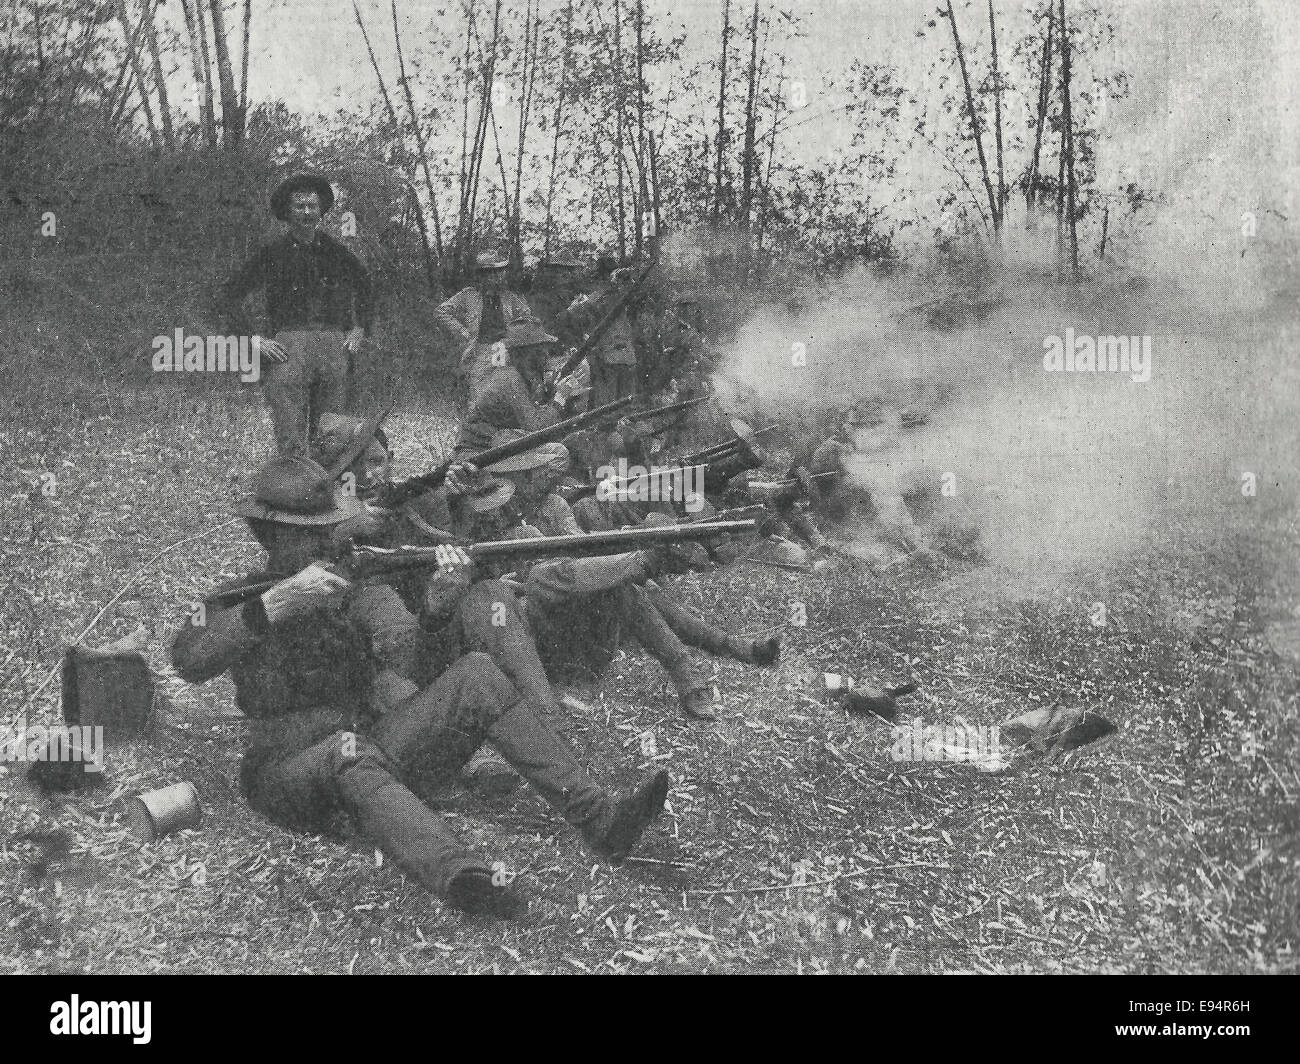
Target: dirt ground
793, 842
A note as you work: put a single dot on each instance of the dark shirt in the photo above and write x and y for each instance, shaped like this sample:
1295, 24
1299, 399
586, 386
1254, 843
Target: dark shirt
321, 284
492, 323
307, 676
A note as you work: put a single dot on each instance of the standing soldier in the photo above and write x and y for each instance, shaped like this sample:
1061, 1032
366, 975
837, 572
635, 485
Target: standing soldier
319, 308
559, 283
478, 317
613, 361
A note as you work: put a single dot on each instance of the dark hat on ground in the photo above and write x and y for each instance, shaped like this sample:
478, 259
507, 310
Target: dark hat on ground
490, 260
525, 333
564, 260
298, 491
301, 183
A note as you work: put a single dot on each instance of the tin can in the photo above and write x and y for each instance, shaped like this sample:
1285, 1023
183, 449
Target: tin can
157, 813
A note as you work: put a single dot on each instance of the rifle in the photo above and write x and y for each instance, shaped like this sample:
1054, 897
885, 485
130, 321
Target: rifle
714, 453
396, 494
358, 563
594, 337
781, 490
623, 484
674, 408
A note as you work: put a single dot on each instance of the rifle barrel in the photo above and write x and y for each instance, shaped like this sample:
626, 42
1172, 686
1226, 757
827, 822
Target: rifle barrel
602, 326
617, 542
400, 492
673, 408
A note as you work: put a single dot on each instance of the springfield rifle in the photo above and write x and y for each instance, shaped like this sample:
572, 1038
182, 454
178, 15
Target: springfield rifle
625, 484
395, 494
359, 563
654, 412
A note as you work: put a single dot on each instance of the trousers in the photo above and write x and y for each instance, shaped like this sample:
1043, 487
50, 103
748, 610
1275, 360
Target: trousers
422, 739
313, 381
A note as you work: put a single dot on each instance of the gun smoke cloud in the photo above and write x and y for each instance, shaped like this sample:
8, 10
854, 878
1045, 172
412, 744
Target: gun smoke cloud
1070, 464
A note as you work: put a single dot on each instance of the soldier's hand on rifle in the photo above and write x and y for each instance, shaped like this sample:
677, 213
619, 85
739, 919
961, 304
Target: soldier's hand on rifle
460, 479
452, 559
446, 587
271, 349
302, 592
368, 527
576, 383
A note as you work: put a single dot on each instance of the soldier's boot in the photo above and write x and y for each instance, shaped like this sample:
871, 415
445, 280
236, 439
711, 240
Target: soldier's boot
609, 827
388, 813
653, 632
695, 631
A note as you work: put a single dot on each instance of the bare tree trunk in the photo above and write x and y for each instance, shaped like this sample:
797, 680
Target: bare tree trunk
1105, 224
722, 113
1044, 98
997, 115
202, 79
528, 80
463, 188
642, 162
488, 65
654, 189
419, 139
160, 82
771, 159
1069, 140
243, 63
232, 120
430, 273
557, 124
619, 144
1060, 198
975, 124
748, 161
133, 53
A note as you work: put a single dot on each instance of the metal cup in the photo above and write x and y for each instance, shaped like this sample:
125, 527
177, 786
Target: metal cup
156, 813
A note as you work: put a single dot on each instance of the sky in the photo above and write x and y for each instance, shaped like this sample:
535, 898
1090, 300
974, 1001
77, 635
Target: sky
1211, 122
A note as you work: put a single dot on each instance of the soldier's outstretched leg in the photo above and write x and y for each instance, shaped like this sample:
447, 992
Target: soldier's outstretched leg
653, 632
351, 771
610, 829
695, 631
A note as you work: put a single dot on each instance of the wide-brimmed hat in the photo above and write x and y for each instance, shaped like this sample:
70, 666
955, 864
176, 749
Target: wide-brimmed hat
490, 260
488, 494
526, 333
566, 260
344, 438
301, 183
298, 491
